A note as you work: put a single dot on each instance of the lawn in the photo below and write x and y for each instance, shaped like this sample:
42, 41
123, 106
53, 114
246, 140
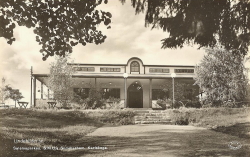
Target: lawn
52, 127
56, 128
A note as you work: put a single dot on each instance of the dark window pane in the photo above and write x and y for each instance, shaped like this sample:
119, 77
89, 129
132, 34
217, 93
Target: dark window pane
159, 94
134, 66
82, 92
184, 70
157, 70
111, 92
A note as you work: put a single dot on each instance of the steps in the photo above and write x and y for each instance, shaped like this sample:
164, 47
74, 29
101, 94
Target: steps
149, 116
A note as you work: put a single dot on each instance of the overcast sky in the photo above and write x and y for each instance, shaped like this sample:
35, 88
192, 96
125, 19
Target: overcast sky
127, 38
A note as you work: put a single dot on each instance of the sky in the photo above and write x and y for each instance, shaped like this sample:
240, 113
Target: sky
128, 37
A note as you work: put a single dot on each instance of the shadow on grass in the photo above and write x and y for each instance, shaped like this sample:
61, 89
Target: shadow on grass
159, 143
67, 130
22, 118
241, 130
153, 143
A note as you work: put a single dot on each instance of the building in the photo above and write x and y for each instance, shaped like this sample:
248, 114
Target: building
136, 84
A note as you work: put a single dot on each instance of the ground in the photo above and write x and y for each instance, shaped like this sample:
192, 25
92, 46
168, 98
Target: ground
165, 140
74, 129
155, 140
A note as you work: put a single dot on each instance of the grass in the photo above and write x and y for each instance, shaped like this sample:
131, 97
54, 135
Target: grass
60, 127
54, 127
210, 117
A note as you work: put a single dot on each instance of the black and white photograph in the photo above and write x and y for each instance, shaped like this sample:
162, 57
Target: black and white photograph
121, 78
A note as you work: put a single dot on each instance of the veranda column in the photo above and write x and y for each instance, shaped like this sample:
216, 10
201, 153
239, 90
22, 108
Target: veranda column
34, 91
31, 80
173, 75
41, 90
48, 93
125, 75
150, 93
95, 83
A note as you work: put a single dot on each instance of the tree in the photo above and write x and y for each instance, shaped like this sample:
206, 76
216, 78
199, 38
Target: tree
60, 80
59, 25
203, 22
222, 76
4, 92
7, 92
14, 94
95, 99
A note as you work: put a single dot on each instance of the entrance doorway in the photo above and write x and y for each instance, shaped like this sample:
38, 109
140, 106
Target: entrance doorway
135, 95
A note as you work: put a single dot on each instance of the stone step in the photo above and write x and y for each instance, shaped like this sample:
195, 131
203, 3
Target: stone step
153, 122
141, 111
152, 117
151, 114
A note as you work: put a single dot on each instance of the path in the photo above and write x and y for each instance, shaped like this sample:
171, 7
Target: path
163, 140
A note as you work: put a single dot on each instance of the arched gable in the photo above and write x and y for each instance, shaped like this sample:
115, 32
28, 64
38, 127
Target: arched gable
135, 66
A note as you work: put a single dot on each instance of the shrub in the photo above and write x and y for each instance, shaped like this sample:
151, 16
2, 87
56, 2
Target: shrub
116, 117
208, 116
113, 103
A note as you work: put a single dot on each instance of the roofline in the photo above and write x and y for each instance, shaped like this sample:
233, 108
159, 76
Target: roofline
80, 64
117, 76
97, 64
135, 58
189, 66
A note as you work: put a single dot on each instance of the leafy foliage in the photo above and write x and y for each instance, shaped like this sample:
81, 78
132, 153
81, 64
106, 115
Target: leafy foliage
203, 22
222, 76
95, 99
182, 90
4, 92
13, 94
60, 80
59, 25
209, 117
7, 92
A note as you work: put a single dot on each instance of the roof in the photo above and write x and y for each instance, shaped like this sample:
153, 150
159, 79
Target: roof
81, 64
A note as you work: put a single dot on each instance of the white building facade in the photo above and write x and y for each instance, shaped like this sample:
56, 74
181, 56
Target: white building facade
137, 85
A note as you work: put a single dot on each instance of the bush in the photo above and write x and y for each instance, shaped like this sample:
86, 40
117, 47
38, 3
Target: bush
95, 99
115, 117
208, 116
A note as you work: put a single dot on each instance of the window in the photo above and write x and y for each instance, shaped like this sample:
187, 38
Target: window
159, 94
82, 92
189, 94
84, 69
184, 70
158, 70
111, 92
110, 69
134, 67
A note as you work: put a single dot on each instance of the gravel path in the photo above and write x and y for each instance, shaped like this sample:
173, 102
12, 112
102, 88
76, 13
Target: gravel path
141, 130
164, 140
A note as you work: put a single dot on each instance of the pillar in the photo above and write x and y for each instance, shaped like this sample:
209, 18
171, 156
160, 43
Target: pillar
48, 93
125, 93
41, 90
31, 79
95, 83
34, 91
150, 93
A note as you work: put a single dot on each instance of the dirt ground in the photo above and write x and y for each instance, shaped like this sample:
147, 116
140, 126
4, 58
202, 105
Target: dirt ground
154, 140
163, 140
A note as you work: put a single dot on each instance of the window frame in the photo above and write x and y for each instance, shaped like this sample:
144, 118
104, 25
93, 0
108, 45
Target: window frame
109, 91
158, 70
92, 69
190, 71
132, 67
108, 69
